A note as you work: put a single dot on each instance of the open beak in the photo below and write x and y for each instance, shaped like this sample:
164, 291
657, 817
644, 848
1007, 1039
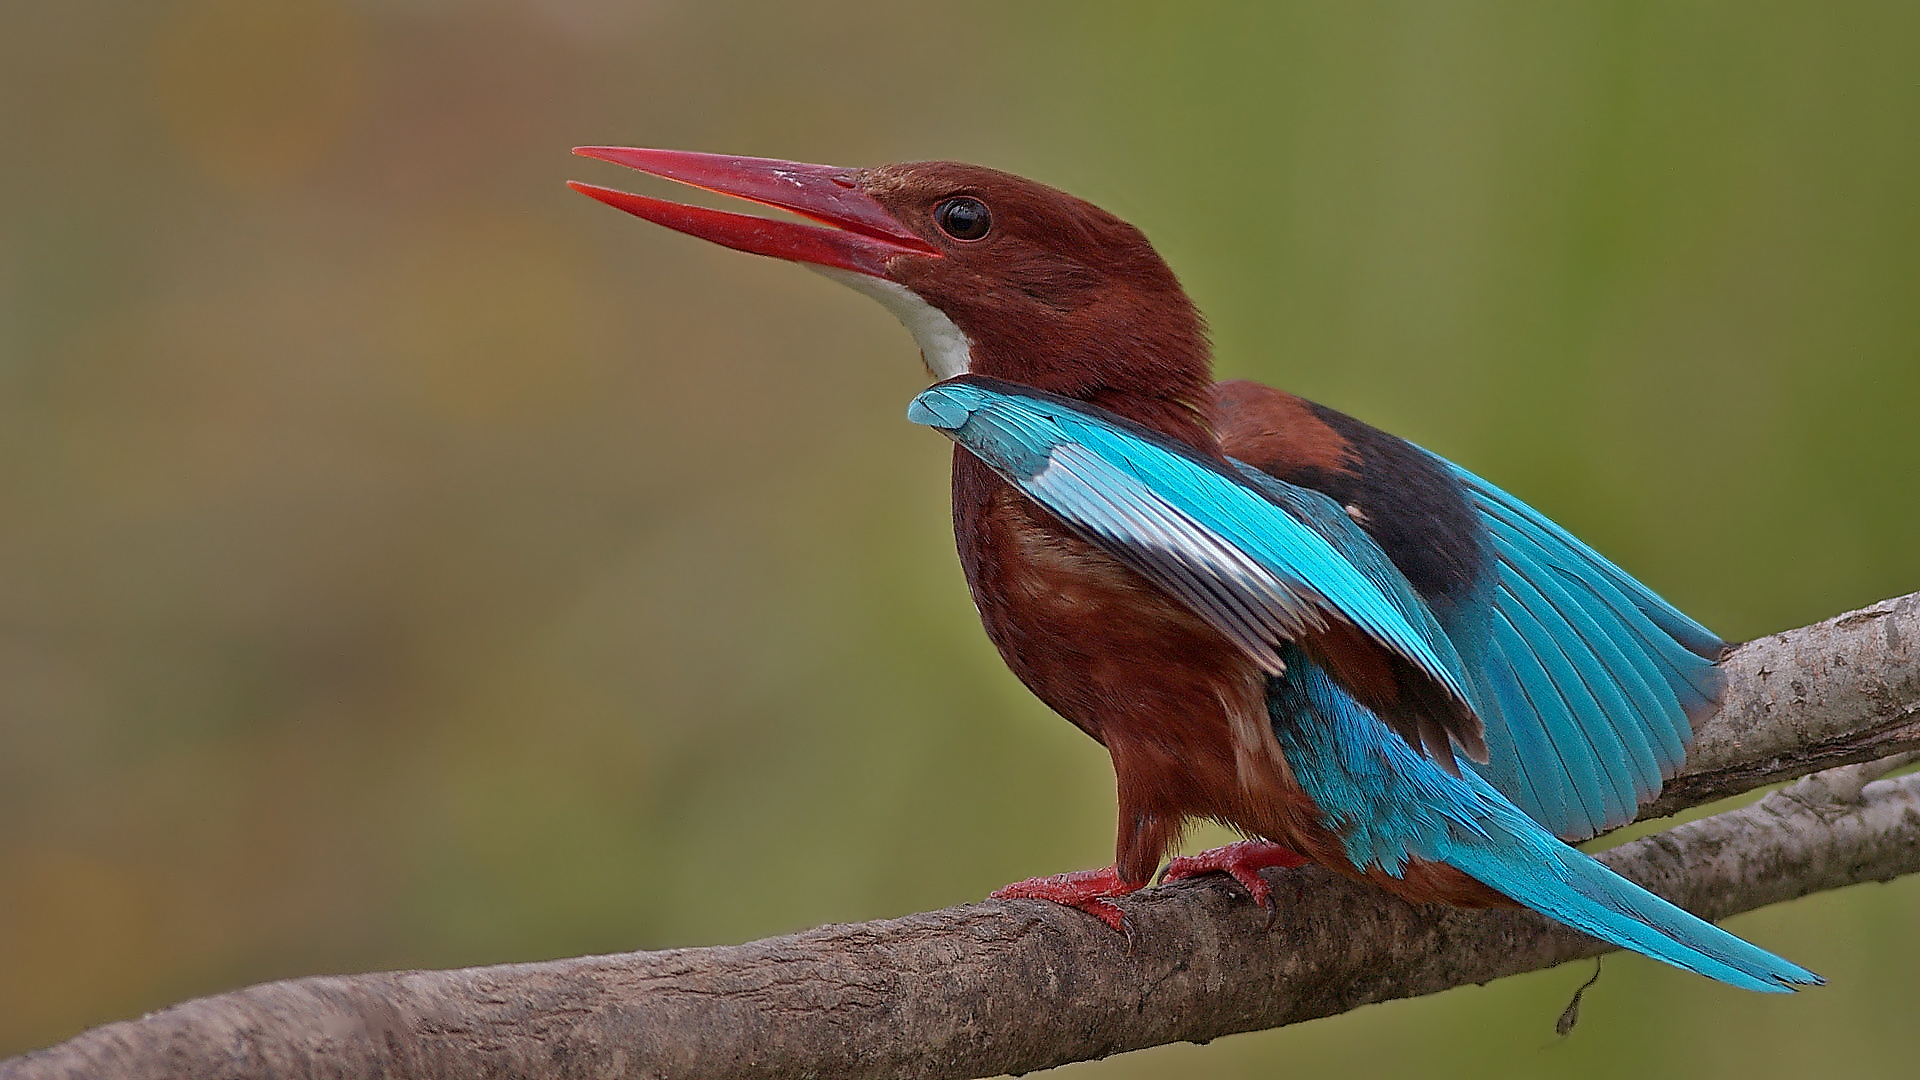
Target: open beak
863, 236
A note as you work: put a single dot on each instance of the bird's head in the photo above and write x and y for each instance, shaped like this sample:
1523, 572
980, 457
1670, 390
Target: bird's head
994, 274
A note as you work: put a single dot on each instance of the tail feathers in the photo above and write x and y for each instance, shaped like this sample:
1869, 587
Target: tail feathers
1584, 894
1392, 804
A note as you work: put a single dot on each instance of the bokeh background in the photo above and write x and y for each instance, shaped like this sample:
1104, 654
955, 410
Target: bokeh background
407, 562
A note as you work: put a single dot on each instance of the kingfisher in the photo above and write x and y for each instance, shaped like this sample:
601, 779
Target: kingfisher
1272, 615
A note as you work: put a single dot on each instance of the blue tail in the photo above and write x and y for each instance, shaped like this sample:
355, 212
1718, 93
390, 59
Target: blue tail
1392, 804
1573, 888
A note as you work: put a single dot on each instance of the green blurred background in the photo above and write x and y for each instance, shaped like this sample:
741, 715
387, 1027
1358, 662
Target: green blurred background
407, 562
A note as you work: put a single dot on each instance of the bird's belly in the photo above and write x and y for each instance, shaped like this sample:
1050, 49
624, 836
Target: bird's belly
1091, 637
1180, 709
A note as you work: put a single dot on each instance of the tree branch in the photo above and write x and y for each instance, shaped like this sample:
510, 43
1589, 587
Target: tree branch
1015, 986
1834, 693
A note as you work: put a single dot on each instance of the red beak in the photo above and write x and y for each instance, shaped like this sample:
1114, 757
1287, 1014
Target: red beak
864, 236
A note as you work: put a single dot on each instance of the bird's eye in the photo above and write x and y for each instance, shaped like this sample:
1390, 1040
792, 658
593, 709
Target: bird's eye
963, 218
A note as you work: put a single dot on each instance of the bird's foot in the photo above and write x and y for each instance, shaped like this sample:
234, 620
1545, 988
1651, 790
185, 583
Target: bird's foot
1089, 890
1244, 860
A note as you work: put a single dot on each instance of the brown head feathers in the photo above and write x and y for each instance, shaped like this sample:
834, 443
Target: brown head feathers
1057, 294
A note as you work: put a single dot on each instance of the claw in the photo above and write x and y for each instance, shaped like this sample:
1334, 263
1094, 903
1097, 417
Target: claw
1244, 860
1090, 891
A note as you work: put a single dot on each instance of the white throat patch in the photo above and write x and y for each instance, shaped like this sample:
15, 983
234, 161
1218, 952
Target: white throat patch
943, 348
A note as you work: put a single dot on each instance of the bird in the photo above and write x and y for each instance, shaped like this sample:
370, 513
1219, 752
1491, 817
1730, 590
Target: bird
1272, 615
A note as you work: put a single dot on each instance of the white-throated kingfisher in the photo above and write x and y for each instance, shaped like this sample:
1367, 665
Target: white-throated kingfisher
1271, 614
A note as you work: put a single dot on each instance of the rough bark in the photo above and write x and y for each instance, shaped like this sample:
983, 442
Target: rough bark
1834, 693
1015, 986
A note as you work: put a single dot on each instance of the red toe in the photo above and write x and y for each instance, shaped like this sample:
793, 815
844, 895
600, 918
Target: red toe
1088, 890
1244, 860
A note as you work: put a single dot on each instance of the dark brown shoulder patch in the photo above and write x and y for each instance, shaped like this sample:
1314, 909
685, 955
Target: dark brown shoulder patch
1411, 506
1404, 499
1275, 431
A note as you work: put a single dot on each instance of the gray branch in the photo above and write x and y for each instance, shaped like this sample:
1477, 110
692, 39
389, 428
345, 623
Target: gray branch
1835, 693
1015, 986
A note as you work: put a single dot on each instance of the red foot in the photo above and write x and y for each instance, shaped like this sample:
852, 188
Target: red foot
1243, 860
1088, 890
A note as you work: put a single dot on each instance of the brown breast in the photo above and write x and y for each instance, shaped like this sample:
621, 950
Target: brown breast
1181, 711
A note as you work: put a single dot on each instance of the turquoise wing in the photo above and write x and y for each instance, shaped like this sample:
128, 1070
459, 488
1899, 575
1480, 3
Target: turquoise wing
1257, 572
1586, 680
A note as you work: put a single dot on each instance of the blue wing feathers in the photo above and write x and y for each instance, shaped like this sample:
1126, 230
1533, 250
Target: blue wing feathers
1526, 766
1670, 620
1693, 680
1645, 709
1626, 670
1542, 552
1612, 727
1330, 520
1184, 523
1531, 700
1666, 669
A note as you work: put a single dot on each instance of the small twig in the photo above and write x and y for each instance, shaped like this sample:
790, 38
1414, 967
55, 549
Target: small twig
1570, 1015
